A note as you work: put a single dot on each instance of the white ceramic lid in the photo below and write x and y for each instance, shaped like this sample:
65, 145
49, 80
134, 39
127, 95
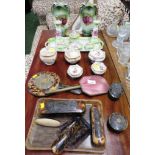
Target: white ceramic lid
97, 54
75, 70
72, 53
47, 52
98, 67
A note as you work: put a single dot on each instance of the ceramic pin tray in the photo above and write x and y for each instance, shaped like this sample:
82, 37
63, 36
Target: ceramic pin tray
41, 137
84, 43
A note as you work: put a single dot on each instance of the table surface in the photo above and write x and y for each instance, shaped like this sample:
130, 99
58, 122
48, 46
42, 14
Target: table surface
116, 144
121, 70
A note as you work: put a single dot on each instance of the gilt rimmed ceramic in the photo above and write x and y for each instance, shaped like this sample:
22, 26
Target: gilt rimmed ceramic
97, 55
75, 71
48, 55
98, 68
72, 56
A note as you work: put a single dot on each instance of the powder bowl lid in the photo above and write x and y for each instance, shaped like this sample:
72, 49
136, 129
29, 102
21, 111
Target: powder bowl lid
47, 52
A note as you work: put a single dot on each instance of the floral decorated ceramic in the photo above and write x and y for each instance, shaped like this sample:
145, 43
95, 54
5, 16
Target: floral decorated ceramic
98, 68
88, 13
61, 13
72, 55
48, 55
96, 55
75, 71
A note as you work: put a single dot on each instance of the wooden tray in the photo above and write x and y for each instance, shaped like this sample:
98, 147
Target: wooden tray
41, 138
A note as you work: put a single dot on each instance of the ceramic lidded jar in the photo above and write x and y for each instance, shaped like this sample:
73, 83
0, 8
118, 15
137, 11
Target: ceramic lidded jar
48, 55
75, 71
72, 56
96, 55
98, 68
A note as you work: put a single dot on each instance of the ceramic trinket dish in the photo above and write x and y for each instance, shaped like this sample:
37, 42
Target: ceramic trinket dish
75, 71
72, 56
98, 68
48, 55
96, 55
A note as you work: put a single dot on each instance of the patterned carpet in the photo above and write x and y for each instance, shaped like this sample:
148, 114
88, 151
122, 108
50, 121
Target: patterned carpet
29, 57
31, 23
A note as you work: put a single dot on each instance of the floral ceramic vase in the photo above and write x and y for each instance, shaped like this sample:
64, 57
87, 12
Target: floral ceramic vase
61, 13
88, 13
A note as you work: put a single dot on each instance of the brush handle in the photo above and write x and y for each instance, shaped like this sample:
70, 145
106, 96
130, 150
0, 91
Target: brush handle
97, 127
64, 89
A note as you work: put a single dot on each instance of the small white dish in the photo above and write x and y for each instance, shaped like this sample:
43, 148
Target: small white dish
75, 71
98, 68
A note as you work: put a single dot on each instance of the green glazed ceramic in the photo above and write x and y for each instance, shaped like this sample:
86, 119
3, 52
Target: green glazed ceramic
61, 12
88, 13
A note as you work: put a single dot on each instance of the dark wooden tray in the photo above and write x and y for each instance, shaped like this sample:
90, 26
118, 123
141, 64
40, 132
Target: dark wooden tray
41, 138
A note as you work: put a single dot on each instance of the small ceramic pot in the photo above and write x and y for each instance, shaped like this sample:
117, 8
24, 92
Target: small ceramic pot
96, 55
72, 56
48, 55
75, 71
98, 68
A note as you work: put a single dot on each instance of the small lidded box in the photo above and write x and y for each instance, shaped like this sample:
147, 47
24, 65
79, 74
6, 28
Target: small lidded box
96, 55
48, 55
75, 71
72, 56
98, 68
